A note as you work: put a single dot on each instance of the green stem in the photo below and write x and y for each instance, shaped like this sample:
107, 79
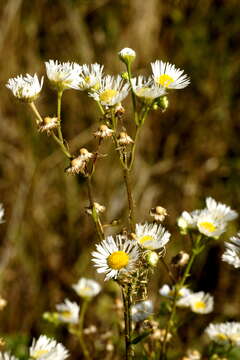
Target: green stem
81, 323
94, 214
62, 146
127, 322
35, 110
195, 251
130, 199
134, 102
132, 156
59, 101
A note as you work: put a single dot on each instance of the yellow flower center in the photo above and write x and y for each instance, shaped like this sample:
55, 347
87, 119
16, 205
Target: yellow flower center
208, 226
107, 95
165, 80
118, 260
87, 79
38, 353
199, 305
221, 336
66, 314
145, 238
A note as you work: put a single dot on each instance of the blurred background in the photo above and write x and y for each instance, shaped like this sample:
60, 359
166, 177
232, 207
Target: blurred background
185, 154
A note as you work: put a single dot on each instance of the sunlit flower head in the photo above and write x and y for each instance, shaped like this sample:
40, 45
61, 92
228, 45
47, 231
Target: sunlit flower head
111, 92
200, 302
168, 76
115, 256
220, 211
169, 292
188, 220
68, 312
89, 77
63, 75
1, 213
127, 55
7, 356
224, 333
146, 89
210, 226
87, 288
26, 88
151, 236
47, 349
142, 310
232, 252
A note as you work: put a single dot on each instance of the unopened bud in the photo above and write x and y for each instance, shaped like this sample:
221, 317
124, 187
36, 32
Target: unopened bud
125, 76
127, 55
152, 258
163, 102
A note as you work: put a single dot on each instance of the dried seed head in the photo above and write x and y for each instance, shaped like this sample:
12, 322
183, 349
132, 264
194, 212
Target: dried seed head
159, 334
124, 139
181, 259
76, 167
90, 330
158, 213
103, 131
49, 123
85, 154
119, 111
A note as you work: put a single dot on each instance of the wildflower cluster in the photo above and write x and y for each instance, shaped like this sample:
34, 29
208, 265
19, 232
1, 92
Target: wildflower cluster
130, 256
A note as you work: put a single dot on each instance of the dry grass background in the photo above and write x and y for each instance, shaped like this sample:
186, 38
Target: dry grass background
189, 152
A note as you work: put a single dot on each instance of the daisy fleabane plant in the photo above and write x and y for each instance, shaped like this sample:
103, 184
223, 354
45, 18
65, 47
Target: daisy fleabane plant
146, 89
87, 288
25, 87
115, 257
151, 236
112, 91
168, 76
68, 312
232, 252
89, 77
224, 333
63, 75
45, 348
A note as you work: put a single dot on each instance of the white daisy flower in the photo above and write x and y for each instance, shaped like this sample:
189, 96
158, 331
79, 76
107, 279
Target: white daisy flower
68, 312
168, 76
127, 55
2, 211
225, 333
142, 310
90, 77
7, 356
188, 220
166, 291
146, 88
220, 211
26, 88
115, 256
199, 302
210, 226
87, 288
63, 75
111, 92
47, 349
151, 236
232, 253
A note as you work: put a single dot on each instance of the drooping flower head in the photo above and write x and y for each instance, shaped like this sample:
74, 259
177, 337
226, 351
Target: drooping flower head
68, 312
25, 87
89, 77
111, 92
224, 333
115, 256
47, 349
87, 288
63, 75
142, 310
168, 76
232, 253
151, 236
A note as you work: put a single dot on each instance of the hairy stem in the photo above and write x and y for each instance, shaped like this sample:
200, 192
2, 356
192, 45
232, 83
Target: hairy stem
126, 295
130, 199
36, 112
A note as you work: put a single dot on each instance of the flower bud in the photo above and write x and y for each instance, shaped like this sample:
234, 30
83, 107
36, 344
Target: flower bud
152, 258
127, 55
125, 76
163, 103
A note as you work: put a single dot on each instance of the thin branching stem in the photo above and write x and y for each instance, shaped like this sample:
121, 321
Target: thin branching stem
59, 102
81, 323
